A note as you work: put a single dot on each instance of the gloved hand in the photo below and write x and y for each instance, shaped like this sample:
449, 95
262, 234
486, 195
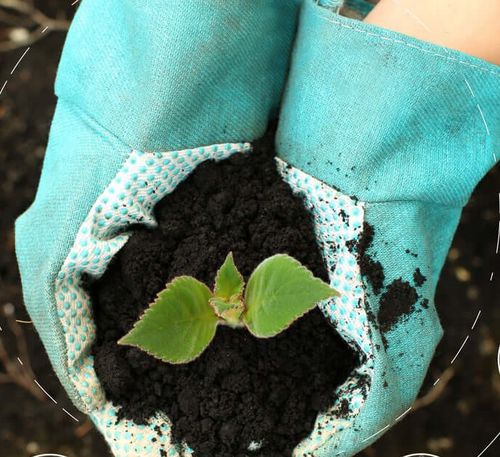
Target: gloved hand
387, 137
137, 79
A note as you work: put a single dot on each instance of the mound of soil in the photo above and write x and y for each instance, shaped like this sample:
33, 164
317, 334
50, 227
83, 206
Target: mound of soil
242, 391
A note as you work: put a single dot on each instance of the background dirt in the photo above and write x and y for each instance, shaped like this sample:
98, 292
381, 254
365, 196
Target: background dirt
460, 420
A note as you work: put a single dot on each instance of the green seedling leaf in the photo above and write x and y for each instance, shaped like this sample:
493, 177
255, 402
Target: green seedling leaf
229, 312
179, 325
279, 291
229, 282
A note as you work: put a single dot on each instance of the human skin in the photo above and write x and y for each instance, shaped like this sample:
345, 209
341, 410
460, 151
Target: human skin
470, 26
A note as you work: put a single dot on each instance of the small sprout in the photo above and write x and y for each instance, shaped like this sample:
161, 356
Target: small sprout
227, 301
180, 324
229, 283
229, 312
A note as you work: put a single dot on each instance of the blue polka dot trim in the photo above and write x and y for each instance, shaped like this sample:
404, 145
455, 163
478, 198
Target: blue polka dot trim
338, 220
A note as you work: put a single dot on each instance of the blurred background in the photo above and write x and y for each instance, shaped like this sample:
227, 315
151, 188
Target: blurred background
457, 417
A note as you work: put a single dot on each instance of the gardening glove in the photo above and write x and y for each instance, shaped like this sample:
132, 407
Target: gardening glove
385, 137
146, 91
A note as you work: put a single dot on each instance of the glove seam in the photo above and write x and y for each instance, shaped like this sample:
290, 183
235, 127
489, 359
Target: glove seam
425, 202
91, 120
422, 49
376, 202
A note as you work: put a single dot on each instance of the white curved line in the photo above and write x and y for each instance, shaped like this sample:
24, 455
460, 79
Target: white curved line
70, 415
475, 320
49, 455
459, 351
48, 395
489, 445
404, 414
498, 359
418, 454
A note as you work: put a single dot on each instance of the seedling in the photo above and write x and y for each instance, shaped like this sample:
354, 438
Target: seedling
180, 324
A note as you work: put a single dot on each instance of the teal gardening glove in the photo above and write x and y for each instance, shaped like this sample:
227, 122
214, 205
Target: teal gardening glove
385, 137
146, 91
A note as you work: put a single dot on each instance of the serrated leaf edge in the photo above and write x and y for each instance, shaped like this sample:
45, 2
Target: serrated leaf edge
176, 361
240, 294
233, 304
334, 294
164, 290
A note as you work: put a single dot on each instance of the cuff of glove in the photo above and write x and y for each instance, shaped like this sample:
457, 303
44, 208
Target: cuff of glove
383, 116
178, 74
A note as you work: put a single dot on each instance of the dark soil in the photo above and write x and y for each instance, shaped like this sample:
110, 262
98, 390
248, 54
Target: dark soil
399, 297
242, 390
396, 302
370, 268
418, 278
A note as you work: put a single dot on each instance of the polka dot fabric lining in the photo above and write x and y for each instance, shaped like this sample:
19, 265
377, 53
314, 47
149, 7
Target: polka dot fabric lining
129, 199
337, 220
